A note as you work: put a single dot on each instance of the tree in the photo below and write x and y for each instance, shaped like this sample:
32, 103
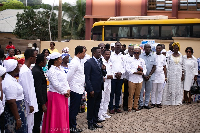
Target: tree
12, 4
76, 15
33, 25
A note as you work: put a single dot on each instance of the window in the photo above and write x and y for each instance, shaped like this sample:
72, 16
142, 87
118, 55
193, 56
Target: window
190, 5
113, 33
145, 32
160, 5
196, 31
167, 32
96, 33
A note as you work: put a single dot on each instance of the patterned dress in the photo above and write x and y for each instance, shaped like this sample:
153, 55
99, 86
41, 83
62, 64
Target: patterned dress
173, 92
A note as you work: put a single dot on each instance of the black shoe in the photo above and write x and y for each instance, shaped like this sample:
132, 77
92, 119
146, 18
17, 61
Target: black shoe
147, 107
99, 121
140, 107
153, 105
97, 126
91, 127
125, 108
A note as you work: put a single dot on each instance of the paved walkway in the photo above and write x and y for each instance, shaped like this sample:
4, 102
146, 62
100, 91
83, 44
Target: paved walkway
169, 119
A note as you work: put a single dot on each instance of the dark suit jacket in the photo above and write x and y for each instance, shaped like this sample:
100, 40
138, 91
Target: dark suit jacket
93, 76
40, 84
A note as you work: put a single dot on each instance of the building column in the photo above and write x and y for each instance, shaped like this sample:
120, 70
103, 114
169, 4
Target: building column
117, 7
175, 8
88, 21
144, 8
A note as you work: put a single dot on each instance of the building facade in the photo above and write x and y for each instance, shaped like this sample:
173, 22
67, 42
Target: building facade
101, 10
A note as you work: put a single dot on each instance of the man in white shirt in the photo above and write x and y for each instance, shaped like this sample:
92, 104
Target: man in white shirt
27, 82
136, 69
86, 57
76, 80
160, 77
170, 52
102, 47
118, 68
126, 75
107, 86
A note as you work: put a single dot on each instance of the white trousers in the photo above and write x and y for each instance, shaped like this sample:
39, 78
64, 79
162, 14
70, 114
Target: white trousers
30, 122
105, 99
156, 93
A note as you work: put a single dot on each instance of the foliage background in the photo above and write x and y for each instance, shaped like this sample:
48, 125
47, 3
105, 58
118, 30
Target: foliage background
34, 25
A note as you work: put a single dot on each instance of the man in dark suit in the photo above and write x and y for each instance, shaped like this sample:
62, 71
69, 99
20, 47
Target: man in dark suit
94, 71
40, 84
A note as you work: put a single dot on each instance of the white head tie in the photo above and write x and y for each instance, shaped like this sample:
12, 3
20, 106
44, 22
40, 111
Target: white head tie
10, 65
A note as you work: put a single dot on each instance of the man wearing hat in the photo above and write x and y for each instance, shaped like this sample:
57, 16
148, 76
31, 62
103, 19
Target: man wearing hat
27, 82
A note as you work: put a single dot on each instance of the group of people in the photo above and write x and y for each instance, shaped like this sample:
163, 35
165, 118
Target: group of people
150, 79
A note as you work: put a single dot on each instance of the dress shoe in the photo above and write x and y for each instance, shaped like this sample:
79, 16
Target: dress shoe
99, 121
147, 107
159, 105
91, 127
118, 111
112, 111
125, 108
140, 107
97, 126
136, 110
153, 105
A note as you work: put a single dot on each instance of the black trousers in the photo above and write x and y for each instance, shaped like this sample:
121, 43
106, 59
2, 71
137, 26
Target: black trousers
37, 120
125, 98
2, 123
75, 101
93, 105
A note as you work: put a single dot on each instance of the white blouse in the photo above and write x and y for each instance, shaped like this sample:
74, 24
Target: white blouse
12, 89
57, 80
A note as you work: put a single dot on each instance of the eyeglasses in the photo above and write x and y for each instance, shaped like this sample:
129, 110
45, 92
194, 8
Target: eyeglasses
136, 52
102, 47
188, 52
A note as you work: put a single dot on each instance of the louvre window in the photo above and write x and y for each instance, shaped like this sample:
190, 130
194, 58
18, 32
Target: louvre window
160, 5
189, 5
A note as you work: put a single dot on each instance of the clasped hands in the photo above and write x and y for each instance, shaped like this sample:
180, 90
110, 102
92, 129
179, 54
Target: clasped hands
67, 94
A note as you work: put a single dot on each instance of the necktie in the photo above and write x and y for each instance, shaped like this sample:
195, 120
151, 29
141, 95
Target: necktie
99, 64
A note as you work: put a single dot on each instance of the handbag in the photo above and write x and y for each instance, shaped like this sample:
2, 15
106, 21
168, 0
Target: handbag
195, 89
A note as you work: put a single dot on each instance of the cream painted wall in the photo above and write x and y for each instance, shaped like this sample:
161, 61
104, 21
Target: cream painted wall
184, 42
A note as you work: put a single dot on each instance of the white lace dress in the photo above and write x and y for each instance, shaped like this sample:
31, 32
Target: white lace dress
173, 92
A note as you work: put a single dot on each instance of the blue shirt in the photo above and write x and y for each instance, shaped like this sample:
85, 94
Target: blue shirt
150, 60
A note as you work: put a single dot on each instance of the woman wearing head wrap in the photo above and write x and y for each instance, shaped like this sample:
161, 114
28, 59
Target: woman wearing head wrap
15, 119
173, 93
2, 99
57, 116
65, 60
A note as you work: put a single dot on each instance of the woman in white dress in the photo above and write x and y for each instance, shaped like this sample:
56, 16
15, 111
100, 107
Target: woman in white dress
173, 93
191, 72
